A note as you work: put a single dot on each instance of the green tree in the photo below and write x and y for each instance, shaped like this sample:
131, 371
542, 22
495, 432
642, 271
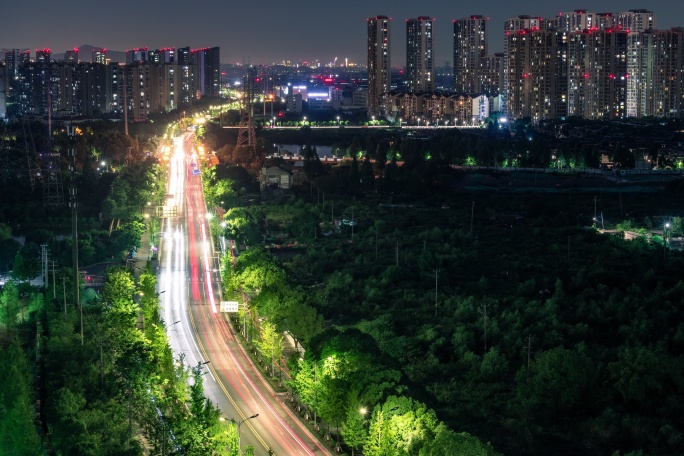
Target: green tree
5, 231
556, 382
9, 305
270, 345
307, 384
380, 436
18, 434
149, 299
447, 441
367, 176
312, 163
20, 270
8, 251
353, 430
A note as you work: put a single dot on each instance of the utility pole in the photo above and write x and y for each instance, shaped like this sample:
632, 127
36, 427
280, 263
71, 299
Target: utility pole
436, 271
44, 264
472, 217
620, 203
74, 222
64, 293
352, 224
529, 349
54, 279
483, 311
594, 208
376, 244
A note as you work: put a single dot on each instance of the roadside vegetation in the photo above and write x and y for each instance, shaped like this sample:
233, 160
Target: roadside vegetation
106, 383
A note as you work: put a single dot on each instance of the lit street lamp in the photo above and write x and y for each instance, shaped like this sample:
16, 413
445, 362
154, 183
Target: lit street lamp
338, 121
666, 238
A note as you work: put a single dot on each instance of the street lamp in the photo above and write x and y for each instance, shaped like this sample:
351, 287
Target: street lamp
304, 120
400, 119
338, 121
666, 238
273, 122
239, 423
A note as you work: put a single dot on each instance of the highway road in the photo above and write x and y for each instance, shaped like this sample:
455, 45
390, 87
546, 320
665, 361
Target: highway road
189, 277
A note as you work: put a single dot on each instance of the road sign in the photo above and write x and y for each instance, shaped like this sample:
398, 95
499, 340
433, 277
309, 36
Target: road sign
167, 211
229, 306
195, 172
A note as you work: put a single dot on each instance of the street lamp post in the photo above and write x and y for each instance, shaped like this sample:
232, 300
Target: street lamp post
338, 121
666, 238
239, 423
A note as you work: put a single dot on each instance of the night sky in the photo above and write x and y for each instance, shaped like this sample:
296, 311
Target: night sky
267, 31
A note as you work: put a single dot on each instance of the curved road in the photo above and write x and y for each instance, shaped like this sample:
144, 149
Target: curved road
189, 279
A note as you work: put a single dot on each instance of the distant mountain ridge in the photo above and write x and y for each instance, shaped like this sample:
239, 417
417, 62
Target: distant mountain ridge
85, 53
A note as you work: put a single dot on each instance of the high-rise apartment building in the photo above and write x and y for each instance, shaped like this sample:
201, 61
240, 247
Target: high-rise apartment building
511, 27
576, 21
379, 63
636, 20
14, 60
491, 74
537, 75
43, 55
93, 96
99, 55
605, 20
208, 70
638, 47
71, 55
3, 90
420, 70
597, 74
137, 55
114, 95
70, 87
165, 55
663, 67
470, 50
184, 56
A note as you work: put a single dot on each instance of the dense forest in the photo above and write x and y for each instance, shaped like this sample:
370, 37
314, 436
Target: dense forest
525, 330
507, 313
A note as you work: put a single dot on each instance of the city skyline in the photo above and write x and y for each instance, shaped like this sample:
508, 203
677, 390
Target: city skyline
312, 31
